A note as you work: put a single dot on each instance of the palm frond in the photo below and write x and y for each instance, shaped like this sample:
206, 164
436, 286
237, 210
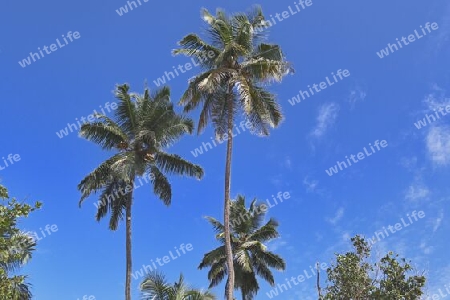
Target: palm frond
161, 185
174, 164
126, 110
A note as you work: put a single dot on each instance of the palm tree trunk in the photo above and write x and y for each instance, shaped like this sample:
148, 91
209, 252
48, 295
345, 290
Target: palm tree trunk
228, 249
128, 246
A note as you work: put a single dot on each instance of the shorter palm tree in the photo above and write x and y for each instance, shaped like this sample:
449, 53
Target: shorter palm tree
156, 287
137, 138
250, 256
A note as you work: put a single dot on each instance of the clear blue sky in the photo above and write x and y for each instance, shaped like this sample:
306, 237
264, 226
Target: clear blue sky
380, 100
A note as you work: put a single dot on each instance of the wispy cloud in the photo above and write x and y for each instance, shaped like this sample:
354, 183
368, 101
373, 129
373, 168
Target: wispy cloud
438, 145
337, 217
438, 221
288, 162
441, 279
311, 185
327, 116
357, 94
436, 99
274, 245
416, 191
409, 163
437, 135
443, 34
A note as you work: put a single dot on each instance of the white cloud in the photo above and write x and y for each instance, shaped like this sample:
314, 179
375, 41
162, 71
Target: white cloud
436, 99
288, 162
346, 237
438, 279
274, 245
337, 217
438, 145
425, 248
409, 163
328, 114
438, 221
311, 185
443, 33
357, 94
416, 191
437, 136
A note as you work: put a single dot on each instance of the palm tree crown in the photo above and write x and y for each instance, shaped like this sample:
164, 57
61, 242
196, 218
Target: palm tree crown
143, 128
156, 287
238, 65
251, 256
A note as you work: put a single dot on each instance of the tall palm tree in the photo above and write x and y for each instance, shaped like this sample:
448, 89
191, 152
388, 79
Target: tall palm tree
156, 287
237, 65
145, 125
251, 256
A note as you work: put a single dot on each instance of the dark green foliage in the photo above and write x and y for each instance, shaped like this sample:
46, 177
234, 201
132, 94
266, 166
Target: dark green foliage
16, 247
353, 277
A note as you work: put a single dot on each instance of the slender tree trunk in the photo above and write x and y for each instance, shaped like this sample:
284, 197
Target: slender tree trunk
228, 249
319, 291
128, 246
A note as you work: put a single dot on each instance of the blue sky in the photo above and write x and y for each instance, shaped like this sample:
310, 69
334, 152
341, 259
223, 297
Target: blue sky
380, 100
